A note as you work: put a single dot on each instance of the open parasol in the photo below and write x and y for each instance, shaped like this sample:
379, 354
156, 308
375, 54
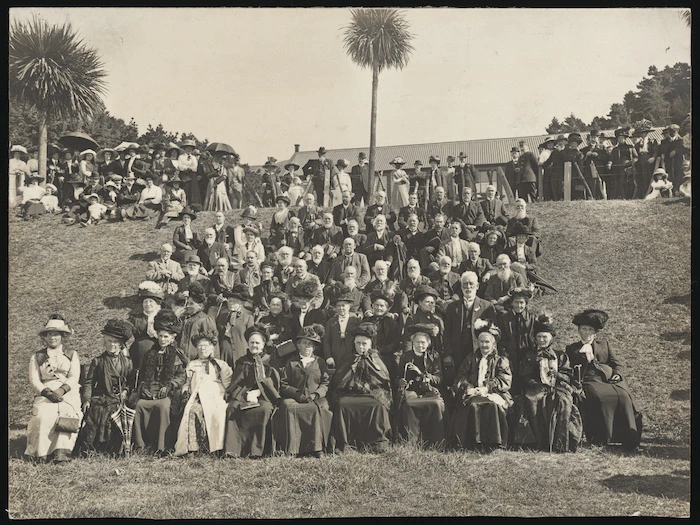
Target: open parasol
126, 145
220, 147
78, 140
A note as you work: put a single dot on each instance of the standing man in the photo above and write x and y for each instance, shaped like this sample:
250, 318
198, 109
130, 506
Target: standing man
512, 169
236, 175
359, 177
596, 154
417, 181
546, 149
554, 171
464, 175
621, 163
187, 166
345, 211
528, 168
316, 170
675, 157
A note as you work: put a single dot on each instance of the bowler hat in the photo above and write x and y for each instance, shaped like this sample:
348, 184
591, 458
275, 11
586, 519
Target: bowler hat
591, 317
514, 149
313, 333
118, 328
321, 150
192, 257
361, 155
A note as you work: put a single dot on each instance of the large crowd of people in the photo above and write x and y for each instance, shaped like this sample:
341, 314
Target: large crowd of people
349, 328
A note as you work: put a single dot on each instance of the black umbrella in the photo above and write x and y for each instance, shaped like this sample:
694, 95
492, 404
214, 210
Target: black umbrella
220, 147
78, 141
538, 281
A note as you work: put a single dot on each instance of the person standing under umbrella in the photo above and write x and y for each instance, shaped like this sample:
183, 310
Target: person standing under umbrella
187, 165
217, 197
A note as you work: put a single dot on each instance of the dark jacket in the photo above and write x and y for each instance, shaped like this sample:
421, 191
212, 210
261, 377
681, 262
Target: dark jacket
179, 240
295, 378
407, 211
339, 348
340, 213
495, 211
374, 210
460, 336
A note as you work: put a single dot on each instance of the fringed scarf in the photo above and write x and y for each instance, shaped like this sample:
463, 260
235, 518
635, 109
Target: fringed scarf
159, 367
367, 378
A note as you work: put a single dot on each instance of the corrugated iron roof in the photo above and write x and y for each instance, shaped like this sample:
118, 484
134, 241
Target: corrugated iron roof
479, 152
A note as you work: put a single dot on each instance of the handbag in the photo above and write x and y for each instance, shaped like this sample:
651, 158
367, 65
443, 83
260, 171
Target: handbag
67, 423
285, 348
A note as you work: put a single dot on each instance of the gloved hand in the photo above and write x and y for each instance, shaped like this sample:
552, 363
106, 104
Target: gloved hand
299, 397
51, 395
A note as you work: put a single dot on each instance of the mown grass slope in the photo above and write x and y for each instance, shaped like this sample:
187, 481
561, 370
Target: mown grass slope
631, 259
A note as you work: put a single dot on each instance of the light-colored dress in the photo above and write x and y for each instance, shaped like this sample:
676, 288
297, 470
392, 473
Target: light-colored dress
207, 380
399, 189
217, 197
343, 181
18, 171
657, 187
51, 368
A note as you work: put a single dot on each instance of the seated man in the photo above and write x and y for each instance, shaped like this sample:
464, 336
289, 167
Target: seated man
302, 278
378, 244
531, 224
411, 238
310, 215
350, 257
408, 286
251, 243
445, 281
433, 240
262, 293
504, 281
317, 265
349, 279
455, 248
381, 281
495, 211
346, 211
470, 214
249, 274
380, 207
329, 236
354, 234
194, 272
284, 269
411, 208
210, 250
165, 271
480, 266
437, 204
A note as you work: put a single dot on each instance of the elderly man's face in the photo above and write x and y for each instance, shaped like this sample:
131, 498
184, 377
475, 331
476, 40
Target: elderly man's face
412, 222
379, 223
209, 237
473, 252
284, 257
502, 264
350, 271
166, 252
221, 266
346, 197
440, 194
466, 194
193, 268
445, 267
316, 255
455, 229
348, 246
309, 200
328, 220
301, 268
412, 199
469, 287
380, 270
380, 198
514, 155
413, 269
490, 193
439, 222
219, 217
250, 258
353, 228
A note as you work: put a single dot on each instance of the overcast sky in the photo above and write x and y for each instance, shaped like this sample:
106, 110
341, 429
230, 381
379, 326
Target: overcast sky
265, 79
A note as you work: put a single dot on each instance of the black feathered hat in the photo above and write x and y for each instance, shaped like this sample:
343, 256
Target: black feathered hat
209, 336
490, 328
168, 321
365, 329
420, 328
593, 318
257, 329
312, 332
122, 330
544, 323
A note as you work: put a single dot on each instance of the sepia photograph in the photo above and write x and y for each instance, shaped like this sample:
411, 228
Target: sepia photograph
288, 263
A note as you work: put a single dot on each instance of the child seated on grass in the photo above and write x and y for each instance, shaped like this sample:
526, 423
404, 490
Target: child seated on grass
96, 210
49, 200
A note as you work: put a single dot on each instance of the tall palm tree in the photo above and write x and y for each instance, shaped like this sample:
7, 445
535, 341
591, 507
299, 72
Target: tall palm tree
377, 39
52, 70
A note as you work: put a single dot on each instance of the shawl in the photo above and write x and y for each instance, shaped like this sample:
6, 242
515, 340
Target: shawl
160, 367
548, 366
367, 375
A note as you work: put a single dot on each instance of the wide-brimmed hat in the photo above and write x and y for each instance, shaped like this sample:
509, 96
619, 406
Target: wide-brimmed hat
130, 176
434, 158
397, 161
450, 158
622, 132
56, 324
284, 198
51, 187
188, 143
675, 127
187, 210
307, 289
166, 320
110, 184
312, 332
250, 212
172, 146
365, 329
210, 336
91, 195
122, 330
251, 229
34, 176
561, 138
192, 257
19, 148
342, 162
85, 152
270, 162
160, 145
174, 178
291, 166
420, 328
101, 154
575, 137
591, 317
520, 292
257, 329
423, 290
660, 171
321, 151
381, 293
340, 293
544, 323
150, 290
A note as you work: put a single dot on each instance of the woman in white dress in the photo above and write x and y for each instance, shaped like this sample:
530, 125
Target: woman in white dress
204, 417
296, 185
18, 171
340, 181
399, 184
54, 374
217, 196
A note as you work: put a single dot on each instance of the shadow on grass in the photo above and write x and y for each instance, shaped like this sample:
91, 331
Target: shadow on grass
17, 446
119, 303
678, 299
683, 337
148, 256
681, 452
677, 200
685, 354
658, 485
681, 395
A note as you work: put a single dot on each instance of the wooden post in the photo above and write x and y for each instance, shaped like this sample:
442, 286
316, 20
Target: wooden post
567, 181
540, 183
585, 184
326, 188
598, 181
501, 178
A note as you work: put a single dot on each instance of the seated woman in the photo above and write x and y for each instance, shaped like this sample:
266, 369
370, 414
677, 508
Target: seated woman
482, 388
303, 423
149, 204
492, 245
544, 415
607, 408
174, 201
517, 333
106, 386
252, 395
421, 409
362, 393
660, 185
280, 220
185, 239
203, 422
54, 374
161, 378
145, 337
279, 327
31, 198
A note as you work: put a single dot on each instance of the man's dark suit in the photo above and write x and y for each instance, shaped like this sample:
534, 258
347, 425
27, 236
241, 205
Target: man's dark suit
374, 210
341, 349
495, 212
340, 213
210, 254
468, 214
406, 211
460, 335
330, 238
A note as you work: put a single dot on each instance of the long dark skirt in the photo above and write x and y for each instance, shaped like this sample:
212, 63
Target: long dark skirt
99, 433
300, 428
248, 432
422, 418
33, 210
548, 421
152, 424
141, 211
609, 415
360, 421
479, 422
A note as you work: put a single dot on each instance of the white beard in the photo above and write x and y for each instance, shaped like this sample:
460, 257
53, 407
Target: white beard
520, 214
504, 275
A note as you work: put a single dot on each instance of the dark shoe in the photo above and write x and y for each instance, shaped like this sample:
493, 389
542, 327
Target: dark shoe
61, 455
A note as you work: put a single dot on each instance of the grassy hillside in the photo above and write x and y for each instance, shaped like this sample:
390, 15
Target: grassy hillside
631, 259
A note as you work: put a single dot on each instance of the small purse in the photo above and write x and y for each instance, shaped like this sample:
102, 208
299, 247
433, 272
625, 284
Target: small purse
69, 424
285, 348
